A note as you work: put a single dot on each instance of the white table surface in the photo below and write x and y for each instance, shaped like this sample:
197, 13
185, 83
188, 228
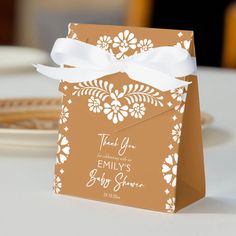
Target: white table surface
28, 207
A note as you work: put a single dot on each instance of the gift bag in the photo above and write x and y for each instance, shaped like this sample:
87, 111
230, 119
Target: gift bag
129, 128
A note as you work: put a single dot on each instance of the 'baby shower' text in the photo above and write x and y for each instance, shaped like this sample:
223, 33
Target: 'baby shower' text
120, 181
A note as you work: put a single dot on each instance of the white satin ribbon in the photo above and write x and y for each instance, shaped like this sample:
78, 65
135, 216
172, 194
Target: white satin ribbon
157, 67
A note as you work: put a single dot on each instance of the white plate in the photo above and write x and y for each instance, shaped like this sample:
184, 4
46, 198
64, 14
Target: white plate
29, 121
14, 57
26, 85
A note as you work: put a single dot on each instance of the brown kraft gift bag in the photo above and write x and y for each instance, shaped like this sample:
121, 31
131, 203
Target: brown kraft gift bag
123, 141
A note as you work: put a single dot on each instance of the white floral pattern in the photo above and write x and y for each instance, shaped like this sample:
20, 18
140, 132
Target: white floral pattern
124, 41
104, 42
64, 115
170, 164
145, 45
170, 205
169, 169
180, 95
183, 44
130, 101
180, 108
94, 104
63, 149
138, 110
115, 111
57, 184
176, 132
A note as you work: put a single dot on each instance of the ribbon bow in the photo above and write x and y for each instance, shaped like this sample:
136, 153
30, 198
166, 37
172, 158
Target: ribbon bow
157, 67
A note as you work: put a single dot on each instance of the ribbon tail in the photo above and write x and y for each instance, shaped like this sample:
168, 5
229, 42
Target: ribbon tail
154, 78
194, 62
72, 75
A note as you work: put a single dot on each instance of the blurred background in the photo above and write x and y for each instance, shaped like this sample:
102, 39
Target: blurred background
37, 23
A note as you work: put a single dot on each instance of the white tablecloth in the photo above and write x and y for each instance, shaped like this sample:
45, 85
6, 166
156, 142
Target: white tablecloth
28, 207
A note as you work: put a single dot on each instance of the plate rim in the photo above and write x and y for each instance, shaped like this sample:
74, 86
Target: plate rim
28, 131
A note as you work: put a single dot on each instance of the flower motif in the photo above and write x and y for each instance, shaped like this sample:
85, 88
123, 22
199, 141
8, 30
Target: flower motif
179, 94
180, 107
178, 44
170, 205
138, 110
94, 104
104, 42
64, 115
187, 44
124, 41
57, 184
169, 169
183, 44
116, 95
115, 111
63, 149
145, 45
176, 132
